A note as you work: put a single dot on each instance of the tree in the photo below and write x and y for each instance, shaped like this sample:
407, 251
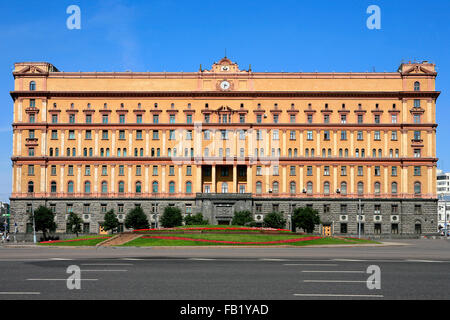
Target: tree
274, 220
306, 218
196, 219
111, 222
136, 219
44, 220
171, 217
241, 218
74, 223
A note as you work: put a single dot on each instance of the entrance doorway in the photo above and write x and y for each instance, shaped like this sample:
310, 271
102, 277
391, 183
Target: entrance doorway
326, 231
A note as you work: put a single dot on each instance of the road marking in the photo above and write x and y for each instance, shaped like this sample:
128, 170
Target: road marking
334, 271
336, 281
311, 264
59, 279
20, 293
338, 295
61, 259
104, 270
412, 260
106, 264
350, 260
132, 259
269, 259
201, 259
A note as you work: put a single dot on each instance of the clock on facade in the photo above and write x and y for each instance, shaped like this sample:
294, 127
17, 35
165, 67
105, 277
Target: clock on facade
225, 68
225, 85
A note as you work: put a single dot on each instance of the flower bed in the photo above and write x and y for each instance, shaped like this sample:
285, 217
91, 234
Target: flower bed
233, 242
216, 229
74, 240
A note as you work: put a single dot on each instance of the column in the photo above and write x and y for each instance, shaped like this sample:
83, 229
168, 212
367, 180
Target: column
213, 178
284, 180
234, 188
113, 183
95, 178
249, 179
198, 180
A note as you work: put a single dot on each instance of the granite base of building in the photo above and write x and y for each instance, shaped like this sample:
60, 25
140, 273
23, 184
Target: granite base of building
388, 217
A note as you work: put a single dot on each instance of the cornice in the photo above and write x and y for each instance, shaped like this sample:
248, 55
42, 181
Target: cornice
224, 94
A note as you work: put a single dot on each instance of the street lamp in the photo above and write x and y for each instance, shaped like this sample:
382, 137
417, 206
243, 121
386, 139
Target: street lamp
359, 218
34, 225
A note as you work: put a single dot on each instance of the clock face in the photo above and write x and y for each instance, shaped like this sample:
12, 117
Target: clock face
225, 68
225, 85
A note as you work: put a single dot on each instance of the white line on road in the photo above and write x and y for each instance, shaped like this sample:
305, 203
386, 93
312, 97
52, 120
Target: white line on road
59, 279
350, 260
104, 270
412, 260
132, 259
20, 293
106, 264
334, 271
201, 259
336, 281
269, 259
311, 264
338, 295
61, 259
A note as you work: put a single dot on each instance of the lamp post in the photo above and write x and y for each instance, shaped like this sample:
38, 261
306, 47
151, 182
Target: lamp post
34, 225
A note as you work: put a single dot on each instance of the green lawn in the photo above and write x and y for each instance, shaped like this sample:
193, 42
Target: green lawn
90, 241
226, 228
143, 242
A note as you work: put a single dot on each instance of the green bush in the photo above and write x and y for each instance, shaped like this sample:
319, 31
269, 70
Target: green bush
196, 219
242, 218
274, 220
171, 217
44, 221
74, 223
136, 219
306, 218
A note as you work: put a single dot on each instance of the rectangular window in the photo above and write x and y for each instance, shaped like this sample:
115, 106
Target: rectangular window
343, 170
189, 118
188, 170
417, 171
122, 135
343, 135
122, 118
138, 134
155, 135
377, 118
326, 170
105, 134
71, 135
394, 171
155, 119
360, 118
309, 135
309, 171
31, 170
292, 170
172, 118
359, 135
377, 171
326, 135
155, 170
105, 118
394, 135
121, 170
54, 118
376, 135
360, 171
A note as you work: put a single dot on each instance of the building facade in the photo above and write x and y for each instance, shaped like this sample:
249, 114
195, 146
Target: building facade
443, 192
222, 140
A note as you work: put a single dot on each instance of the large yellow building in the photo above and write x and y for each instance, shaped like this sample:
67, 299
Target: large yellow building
222, 140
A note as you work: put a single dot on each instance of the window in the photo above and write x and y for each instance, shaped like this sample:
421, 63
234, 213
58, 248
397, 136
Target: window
292, 170
105, 118
309, 118
309, 187
138, 187
394, 187
360, 188
417, 188
416, 103
326, 188
70, 187
360, 118
309, 135
359, 135
87, 187
343, 170
417, 209
394, 171
309, 171
376, 135
394, 135
121, 187
377, 118
416, 135
343, 135
155, 187
326, 170
417, 118
105, 134
394, 118
326, 135
292, 187
189, 118
377, 188
343, 188
326, 118
54, 118
275, 187
259, 187
377, 171
155, 118
343, 118
104, 187
224, 187
417, 86
417, 171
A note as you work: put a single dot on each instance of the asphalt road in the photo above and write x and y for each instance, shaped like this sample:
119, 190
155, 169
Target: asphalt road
419, 270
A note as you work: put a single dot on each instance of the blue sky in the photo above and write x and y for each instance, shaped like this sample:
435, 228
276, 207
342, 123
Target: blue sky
168, 35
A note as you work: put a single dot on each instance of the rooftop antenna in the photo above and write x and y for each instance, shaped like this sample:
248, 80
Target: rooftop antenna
225, 52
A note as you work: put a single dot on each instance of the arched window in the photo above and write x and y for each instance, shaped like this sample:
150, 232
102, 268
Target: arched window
224, 187
306, 152
85, 153
50, 153
340, 153
312, 152
374, 153
326, 188
30, 187
289, 152
68, 152
141, 152
275, 187
102, 152
329, 153
309, 187
107, 152
56, 152
118, 152
417, 188
70, 187
104, 187
171, 187
360, 188
53, 187
346, 153
380, 153
417, 86
394, 187
155, 187
259, 187
188, 187
295, 152
344, 188
363, 153
324, 153
292, 187
124, 152
169, 152
87, 187
357, 153
138, 187
121, 187
32, 86
74, 153
377, 188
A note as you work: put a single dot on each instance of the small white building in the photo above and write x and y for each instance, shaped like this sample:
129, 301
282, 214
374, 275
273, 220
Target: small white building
443, 192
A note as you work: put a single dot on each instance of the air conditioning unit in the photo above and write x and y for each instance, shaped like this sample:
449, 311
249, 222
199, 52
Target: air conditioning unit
343, 218
270, 190
361, 218
259, 217
86, 217
338, 190
377, 218
304, 190
395, 218
120, 217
